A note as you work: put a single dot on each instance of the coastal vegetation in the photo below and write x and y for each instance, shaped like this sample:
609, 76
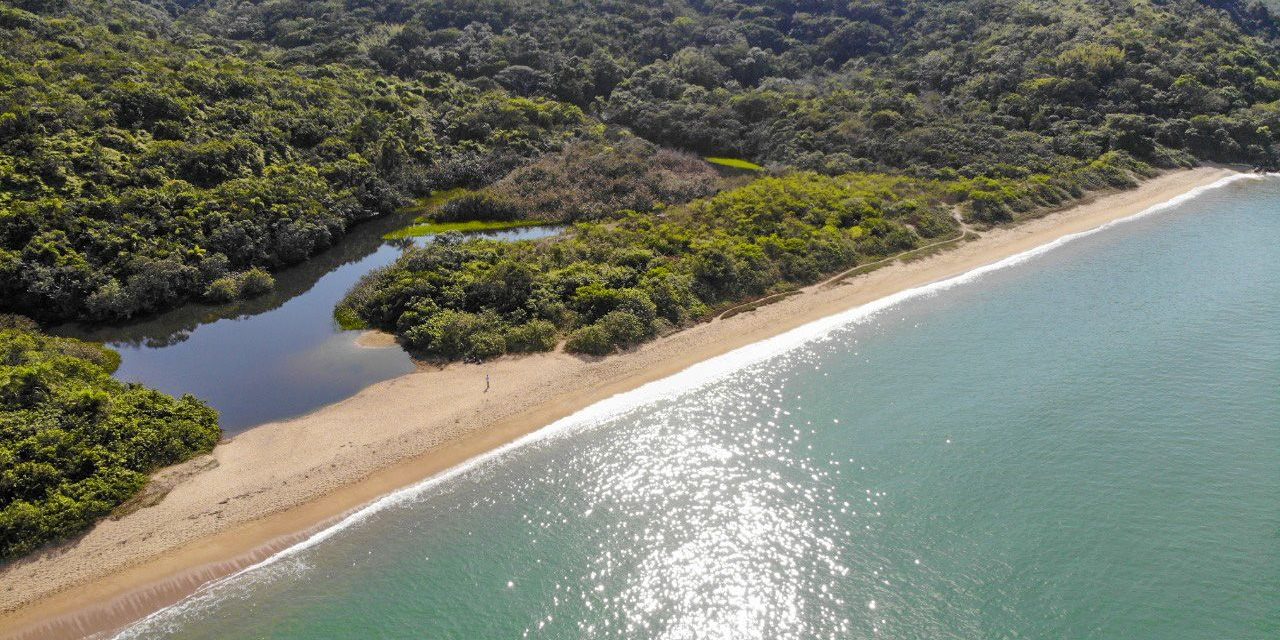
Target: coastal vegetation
617, 282
74, 442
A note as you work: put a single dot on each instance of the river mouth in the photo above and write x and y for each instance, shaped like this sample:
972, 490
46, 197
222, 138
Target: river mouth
280, 355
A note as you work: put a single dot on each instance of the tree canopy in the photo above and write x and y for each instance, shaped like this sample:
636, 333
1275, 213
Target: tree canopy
617, 282
153, 152
978, 86
143, 166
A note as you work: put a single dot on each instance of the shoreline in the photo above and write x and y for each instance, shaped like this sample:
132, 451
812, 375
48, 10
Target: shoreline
276, 485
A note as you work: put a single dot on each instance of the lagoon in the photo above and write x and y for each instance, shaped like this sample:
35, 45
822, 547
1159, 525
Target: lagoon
280, 355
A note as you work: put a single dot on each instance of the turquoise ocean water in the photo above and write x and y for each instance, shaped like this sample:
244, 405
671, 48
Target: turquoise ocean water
1085, 444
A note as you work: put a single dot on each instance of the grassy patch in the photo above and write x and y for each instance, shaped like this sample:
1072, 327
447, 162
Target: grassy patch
735, 163
432, 228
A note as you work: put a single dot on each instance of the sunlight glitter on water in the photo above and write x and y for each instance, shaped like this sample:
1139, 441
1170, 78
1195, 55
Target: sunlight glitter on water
712, 519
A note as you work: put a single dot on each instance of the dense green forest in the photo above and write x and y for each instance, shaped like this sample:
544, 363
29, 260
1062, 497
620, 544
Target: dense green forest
74, 442
138, 171
978, 86
155, 152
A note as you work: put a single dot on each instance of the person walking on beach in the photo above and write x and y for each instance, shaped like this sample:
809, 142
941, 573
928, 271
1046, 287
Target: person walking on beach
486, 383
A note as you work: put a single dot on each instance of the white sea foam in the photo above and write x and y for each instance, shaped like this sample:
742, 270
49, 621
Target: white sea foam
695, 377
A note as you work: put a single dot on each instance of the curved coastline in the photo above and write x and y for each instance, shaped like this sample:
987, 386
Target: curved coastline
279, 485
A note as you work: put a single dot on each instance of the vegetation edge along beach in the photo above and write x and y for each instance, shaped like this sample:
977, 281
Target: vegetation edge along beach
226, 510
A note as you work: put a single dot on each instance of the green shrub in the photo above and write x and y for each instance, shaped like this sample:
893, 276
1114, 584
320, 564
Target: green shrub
224, 289
246, 284
487, 343
76, 443
595, 300
255, 282
616, 329
625, 328
449, 333
348, 319
592, 339
532, 336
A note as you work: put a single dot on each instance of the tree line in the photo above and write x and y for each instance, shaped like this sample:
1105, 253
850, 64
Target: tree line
980, 87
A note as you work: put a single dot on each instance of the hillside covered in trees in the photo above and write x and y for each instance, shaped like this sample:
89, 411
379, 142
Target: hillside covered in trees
142, 165
977, 86
156, 152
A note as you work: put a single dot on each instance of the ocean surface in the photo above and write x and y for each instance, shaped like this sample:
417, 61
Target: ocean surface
1084, 444
280, 355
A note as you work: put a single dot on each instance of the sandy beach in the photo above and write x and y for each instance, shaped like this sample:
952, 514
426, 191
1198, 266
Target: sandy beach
375, 340
272, 486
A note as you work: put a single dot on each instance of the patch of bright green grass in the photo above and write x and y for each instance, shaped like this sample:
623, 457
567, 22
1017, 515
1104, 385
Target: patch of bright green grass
432, 228
735, 163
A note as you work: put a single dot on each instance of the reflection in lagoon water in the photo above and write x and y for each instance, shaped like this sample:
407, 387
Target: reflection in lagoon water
354, 251
279, 355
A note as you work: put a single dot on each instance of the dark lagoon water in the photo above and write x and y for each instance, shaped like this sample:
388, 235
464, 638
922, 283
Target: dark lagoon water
280, 355
1084, 444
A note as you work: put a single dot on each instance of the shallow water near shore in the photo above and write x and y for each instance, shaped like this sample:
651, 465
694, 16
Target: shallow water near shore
280, 355
1083, 445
